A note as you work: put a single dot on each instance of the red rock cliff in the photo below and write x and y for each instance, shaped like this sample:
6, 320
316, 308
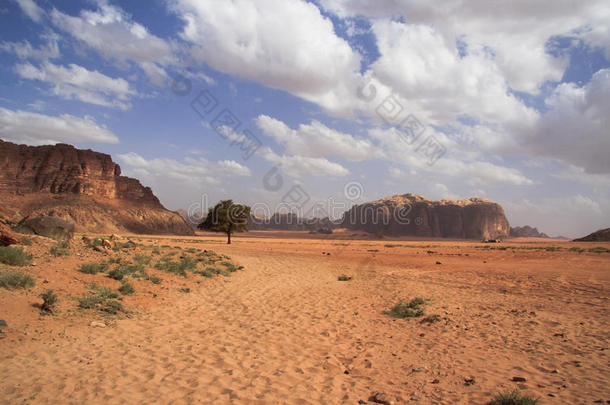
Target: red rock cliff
82, 186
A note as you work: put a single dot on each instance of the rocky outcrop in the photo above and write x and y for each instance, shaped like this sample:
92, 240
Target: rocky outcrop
414, 215
7, 236
79, 186
603, 235
289, 222
51, 227
526, 232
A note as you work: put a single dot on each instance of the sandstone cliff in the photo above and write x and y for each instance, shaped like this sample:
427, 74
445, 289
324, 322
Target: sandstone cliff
81, 186
526, 232
413, 215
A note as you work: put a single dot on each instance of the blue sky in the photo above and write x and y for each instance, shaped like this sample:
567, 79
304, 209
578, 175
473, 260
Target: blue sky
350, 101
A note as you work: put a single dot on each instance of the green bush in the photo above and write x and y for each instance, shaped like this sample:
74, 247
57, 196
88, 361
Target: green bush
155, 279
93, 268
179, 268
408, 309
49, 299
10, 280
26, 241
513, 398
102, 299
126, 288
14, 256
61, 249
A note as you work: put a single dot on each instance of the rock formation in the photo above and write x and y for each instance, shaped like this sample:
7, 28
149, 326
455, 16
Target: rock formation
603, 235
526, 232
414, 215
289, 222
80, 186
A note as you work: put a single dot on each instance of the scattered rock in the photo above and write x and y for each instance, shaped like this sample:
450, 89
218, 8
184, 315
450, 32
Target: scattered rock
469, 381
381, 398
519, 379
439, 263
418, 369
435, 381
107, 244
114, 237
97, 324
87, 240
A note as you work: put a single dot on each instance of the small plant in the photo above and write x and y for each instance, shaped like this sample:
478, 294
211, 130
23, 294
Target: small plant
61, 249
179, 268
10, 280
230, 266
142, 259
155, 279
14, 256
116, 274
408, 309
49, 299
26, 241
102, 299
184, 290
431, 319
93, 268
126, 288
513, 398
343, 277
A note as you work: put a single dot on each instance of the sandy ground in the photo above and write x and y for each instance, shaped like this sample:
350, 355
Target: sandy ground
285, 330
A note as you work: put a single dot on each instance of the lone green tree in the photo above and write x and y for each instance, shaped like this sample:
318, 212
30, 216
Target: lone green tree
226, 217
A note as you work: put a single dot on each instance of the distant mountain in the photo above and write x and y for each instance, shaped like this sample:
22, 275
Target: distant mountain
603, 235
526, 232
414, 215
80, 186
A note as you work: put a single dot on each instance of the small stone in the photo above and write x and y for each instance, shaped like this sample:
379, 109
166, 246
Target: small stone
519, 379
107, 244
45, 281
550, 394
469, 381
419, 369
416, 399
439, 263
555, 371
96, 324
346, 372
362, 402
435, 381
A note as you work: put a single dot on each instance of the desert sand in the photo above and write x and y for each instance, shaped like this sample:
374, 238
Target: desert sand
285, 330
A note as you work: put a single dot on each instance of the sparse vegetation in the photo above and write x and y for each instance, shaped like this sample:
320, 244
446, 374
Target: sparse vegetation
599, 249
93, 268
179, 267
126, 288
408, 309
513, 398
101, 298
11, 279
49, 299
61, 249
343, 277
14, 256
26, 241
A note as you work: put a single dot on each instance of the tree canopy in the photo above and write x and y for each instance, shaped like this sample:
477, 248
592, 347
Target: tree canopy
226, 217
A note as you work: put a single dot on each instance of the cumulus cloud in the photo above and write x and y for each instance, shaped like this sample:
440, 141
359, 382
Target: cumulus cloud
38, 129
192, 171
298, 166
112, 33
316, 140
287, 45
76, 82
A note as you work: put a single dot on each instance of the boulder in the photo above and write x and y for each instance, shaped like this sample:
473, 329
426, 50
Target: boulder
7, 236
51, 227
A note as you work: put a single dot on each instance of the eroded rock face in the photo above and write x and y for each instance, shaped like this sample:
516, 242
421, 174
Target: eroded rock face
80, 186
603, 235
413, 215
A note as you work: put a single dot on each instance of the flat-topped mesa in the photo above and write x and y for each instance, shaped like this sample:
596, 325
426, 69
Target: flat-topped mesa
63, 169
80, 186
414, 215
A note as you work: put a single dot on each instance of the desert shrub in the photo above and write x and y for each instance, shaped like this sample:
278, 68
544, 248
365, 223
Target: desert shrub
599, 249
230, 266
49, 299
124, 245
126, 288
11, 279
102, 299
408, 309
142, 259
343, 277
431, 319
93, 268
89, 301
205, 272
112, 307
179, 267
576, 249
116, 274
513, 398
104, 292
184, 290
155, 251
128, 269
61, 249
14, 256
155, 279
26, 241
391, 245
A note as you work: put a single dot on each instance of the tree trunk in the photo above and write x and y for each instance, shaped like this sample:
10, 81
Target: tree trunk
228, 238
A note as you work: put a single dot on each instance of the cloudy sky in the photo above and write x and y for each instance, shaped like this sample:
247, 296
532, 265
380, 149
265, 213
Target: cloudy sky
325, 103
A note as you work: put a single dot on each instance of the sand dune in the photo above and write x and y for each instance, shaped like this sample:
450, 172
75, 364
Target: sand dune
286, 331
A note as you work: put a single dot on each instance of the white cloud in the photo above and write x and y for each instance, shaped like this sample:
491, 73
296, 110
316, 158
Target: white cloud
297, 166
317, 140
112, 33
76, 82
25, 50
37, 129
31, 9
192, 171
286, 45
